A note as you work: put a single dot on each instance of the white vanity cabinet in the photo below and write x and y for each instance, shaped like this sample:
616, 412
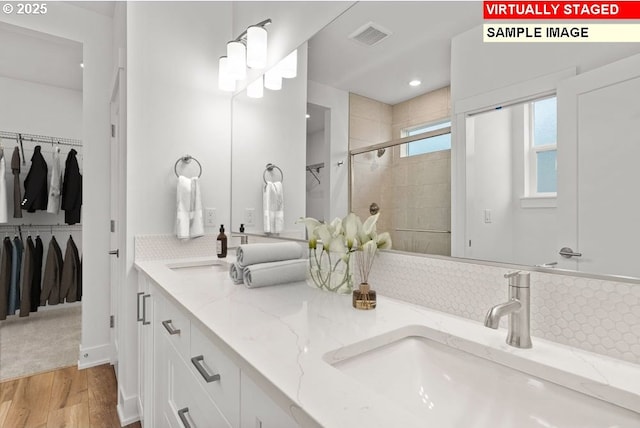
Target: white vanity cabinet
144, 314
187, 379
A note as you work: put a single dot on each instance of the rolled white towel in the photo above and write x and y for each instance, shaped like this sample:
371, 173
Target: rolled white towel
251, 254
275, 273
235, 272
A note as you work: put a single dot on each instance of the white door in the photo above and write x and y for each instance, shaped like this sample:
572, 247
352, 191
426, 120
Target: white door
598, 158
116, 197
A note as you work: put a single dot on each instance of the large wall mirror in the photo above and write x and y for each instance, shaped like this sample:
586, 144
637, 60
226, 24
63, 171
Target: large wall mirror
487, 197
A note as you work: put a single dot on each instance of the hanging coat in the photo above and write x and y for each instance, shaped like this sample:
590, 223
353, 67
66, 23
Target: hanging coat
36, 282
72, 189
5, 276
26, 275
3, 189
52, 274
14, 284
36, 192
55, 184
70, 282
17, 193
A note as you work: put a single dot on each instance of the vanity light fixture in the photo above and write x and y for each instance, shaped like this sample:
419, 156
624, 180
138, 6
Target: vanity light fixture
257, 47
225, 81
236, 54
255, 88
308, 115
415, 82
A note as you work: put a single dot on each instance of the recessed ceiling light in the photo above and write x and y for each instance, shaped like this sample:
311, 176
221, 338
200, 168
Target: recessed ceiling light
308, 115
415, 82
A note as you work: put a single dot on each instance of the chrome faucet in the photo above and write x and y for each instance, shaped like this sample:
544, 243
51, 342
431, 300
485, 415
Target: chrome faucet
518, 309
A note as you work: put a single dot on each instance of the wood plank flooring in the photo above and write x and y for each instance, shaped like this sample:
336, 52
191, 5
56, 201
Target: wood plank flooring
64, 398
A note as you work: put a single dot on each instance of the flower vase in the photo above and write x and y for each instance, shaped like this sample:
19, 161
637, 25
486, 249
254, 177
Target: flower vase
330, 271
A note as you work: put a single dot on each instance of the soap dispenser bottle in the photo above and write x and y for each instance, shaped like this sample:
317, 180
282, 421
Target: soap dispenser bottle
221, 243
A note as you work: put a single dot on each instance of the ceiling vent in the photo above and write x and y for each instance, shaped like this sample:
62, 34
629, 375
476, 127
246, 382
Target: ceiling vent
370, 34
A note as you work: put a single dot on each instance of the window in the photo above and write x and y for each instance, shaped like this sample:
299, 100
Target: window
541, 147
434, 143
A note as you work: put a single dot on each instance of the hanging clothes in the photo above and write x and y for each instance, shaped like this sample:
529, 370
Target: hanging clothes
3, 189
72, 189
70, 282
55, 185
5, 276
36, 281
17, 193
52, 274
36, 192
14, 284
26, 276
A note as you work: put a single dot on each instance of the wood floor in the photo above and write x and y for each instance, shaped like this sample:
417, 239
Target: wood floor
66, 397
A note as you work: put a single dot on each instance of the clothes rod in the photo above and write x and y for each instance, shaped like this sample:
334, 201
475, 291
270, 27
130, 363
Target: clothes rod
42, 139
42, 226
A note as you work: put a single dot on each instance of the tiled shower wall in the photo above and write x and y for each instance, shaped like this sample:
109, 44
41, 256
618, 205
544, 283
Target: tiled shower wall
413, 193
592, 314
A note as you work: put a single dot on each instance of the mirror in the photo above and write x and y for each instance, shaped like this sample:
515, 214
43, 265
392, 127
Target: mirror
376, 79
268, 136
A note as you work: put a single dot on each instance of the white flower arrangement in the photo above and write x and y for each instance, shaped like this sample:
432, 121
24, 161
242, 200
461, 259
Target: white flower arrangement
329, 268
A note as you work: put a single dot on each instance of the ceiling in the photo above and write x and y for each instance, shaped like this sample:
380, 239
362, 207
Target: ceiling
418, 48
41, 58
106, 8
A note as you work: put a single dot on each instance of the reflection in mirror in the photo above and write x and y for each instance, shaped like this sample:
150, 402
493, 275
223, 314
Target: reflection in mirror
270, 130
318, 140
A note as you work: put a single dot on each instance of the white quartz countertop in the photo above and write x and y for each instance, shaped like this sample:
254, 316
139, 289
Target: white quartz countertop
289, 332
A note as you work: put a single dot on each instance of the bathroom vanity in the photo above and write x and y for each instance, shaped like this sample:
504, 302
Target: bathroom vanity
215, 354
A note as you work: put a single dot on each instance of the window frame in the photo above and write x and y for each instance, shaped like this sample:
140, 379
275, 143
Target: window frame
404, 134
532, 151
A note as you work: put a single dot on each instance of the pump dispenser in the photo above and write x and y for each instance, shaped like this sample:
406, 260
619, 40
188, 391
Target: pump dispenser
221, 243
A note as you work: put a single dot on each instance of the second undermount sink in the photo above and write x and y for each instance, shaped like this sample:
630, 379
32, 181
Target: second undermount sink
447, 387
200, 268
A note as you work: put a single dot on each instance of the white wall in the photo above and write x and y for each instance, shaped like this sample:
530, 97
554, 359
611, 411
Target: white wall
338, 102
273, 130
94, 32
174, 108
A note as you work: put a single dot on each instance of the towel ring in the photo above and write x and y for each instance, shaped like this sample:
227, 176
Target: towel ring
270, 167
187, 159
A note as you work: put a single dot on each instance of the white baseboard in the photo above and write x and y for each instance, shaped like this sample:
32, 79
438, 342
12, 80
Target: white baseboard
94, 356
127, 409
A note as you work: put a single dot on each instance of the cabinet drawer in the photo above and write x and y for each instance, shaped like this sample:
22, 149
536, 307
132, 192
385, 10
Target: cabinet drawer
187, 405
173, 324
259, 410
216, 373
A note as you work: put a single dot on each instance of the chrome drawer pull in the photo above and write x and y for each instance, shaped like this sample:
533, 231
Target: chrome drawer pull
197, 361
182, 413
169, 327
144, 310
138, 317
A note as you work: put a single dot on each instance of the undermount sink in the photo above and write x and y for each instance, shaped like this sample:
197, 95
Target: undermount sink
199, 268
447, 387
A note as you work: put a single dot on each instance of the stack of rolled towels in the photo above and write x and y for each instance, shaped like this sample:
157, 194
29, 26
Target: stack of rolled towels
263, 265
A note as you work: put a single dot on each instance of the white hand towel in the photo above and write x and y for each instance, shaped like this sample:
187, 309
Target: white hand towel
3, 191
273, 207
53, 205
183, 204
189, 216
250, 254
196, 227
275, 273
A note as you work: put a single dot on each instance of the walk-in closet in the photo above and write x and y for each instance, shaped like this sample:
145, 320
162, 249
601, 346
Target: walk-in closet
41, 161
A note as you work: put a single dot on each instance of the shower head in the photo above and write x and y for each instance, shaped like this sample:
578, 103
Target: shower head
381, 152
